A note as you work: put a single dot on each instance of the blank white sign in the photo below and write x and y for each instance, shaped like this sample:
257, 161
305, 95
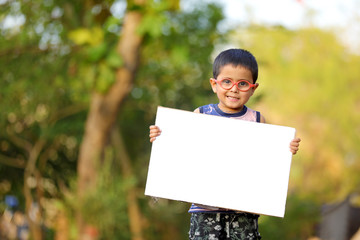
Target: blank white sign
221, 162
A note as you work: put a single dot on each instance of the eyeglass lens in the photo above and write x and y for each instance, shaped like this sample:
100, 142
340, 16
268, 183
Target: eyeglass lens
242, 85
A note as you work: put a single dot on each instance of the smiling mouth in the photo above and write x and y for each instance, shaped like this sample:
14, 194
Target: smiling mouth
232, 98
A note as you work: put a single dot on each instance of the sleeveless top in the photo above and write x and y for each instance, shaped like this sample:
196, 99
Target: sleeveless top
246, 114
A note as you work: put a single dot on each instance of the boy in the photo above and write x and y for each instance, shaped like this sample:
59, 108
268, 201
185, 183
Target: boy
235, 72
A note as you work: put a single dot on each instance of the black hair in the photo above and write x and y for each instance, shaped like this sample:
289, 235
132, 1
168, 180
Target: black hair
236, 57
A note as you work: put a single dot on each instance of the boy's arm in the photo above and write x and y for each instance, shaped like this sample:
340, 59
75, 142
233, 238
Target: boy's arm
262, 119
294, 144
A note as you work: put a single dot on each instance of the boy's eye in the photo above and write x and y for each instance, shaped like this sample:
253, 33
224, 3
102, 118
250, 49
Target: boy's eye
242, 83
227, 81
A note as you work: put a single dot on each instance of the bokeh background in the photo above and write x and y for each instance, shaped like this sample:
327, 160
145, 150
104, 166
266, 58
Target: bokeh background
81, 81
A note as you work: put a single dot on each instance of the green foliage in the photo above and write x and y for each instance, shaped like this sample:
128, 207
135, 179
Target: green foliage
100, 59
50, 65
169, 219
152, 24
93, 36
105, 206
99, 62
301, 217
95, 53
114, 60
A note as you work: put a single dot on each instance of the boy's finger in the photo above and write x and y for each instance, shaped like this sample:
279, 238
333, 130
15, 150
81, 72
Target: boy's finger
154, 134
294, 149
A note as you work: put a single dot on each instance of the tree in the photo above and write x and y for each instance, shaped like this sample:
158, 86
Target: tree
71, 55
32, 119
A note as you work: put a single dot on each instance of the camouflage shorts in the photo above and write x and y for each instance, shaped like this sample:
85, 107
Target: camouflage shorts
218, 226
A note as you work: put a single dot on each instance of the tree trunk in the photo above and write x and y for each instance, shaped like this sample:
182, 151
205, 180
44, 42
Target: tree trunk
62, 226
32, 213
103, 113
134, 213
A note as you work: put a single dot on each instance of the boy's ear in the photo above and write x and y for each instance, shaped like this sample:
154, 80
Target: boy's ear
213, 84
254, 88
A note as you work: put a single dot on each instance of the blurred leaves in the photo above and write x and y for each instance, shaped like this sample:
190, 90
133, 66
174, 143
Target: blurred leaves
152, 24
95, 53
49, 71
114, 60
299, 222
81, 36
108, 202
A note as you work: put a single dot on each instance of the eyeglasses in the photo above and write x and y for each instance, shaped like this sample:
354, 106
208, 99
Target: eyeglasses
242, 85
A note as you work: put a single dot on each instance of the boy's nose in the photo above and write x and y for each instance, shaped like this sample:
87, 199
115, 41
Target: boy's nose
234, 88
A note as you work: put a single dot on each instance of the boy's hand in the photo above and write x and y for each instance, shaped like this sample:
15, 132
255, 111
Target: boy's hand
154, 132
294, 145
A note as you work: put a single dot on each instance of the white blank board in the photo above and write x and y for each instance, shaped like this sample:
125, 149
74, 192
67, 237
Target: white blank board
220, 162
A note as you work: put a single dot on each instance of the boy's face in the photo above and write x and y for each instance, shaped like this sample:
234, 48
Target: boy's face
233, 100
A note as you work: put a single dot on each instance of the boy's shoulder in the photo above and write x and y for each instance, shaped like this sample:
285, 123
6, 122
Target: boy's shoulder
207, 109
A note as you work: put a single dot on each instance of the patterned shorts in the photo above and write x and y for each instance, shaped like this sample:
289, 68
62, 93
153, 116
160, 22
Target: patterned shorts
218, 226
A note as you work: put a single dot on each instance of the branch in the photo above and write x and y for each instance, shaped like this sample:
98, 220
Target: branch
12, 162
66, 112
34, 49
34, 155
30, 170
18, 141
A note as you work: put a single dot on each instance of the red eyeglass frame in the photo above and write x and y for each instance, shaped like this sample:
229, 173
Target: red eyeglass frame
236, 84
